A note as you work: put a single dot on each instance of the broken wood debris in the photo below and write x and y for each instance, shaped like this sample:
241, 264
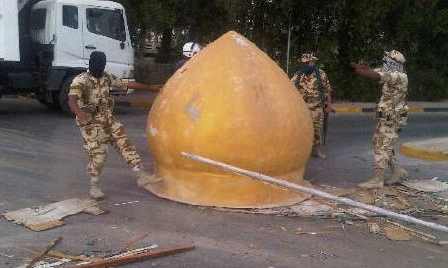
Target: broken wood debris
124, 257
130, 252
427, 185
311, 233
43, 252
419, 234
133, 257
44, 264
62, 255
129, 245
49, 216
315, 192
396, 233
306, 208
399, 198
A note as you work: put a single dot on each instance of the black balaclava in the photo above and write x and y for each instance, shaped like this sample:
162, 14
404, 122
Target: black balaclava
97, 63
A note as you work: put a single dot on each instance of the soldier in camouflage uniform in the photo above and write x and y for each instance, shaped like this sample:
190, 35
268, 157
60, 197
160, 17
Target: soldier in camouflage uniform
90, 101
313, 84
391, 115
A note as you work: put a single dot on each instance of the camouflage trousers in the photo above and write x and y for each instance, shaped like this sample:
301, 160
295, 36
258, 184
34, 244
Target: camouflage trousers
317, 115
98, 136
384, 139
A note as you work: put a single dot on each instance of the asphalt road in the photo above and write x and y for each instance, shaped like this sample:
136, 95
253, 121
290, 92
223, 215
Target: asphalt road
42, 161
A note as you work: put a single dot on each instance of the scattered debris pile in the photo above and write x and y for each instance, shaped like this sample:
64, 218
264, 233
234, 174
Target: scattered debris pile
48, 258
404, 204
50, 216
422, 199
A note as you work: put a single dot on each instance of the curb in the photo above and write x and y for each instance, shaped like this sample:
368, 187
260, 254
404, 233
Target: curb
432, 149
370, 110
341, 109
423, 154
143, 104
338, 109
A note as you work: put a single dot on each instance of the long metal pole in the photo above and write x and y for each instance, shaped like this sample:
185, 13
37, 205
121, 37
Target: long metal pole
315, 192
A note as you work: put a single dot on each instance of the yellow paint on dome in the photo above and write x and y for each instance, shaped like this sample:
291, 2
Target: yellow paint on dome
233, 104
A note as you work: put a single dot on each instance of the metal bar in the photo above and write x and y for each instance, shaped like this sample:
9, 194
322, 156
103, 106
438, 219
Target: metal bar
315, 192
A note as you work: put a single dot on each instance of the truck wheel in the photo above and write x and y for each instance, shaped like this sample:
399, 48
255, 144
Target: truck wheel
63, 96
50, 106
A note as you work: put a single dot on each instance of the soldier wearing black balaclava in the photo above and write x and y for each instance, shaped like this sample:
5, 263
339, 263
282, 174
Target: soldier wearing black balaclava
97, 63
90, 101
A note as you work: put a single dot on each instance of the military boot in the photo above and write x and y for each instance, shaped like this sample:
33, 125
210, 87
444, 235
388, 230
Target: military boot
144, 179
398, 173
375, 182
95, 191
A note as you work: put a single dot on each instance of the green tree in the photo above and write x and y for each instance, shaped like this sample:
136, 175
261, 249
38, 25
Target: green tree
338, 31
423, 31
188, 21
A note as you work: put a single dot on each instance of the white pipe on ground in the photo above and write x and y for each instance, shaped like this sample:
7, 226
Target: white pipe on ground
315, 192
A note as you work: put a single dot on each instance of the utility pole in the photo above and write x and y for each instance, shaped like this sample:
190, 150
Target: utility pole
289, 44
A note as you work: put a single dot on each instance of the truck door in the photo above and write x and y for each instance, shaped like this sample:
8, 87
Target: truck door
68, 51
105, 30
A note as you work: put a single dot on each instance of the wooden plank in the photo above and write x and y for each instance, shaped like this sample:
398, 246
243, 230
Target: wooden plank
61, 255
134, 258
43, 252
131, 243
50, 216
44, 225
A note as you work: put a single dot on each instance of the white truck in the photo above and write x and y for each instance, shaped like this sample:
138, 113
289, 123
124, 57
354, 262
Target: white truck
45, 43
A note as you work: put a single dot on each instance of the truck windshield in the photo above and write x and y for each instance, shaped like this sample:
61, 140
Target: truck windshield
106, 22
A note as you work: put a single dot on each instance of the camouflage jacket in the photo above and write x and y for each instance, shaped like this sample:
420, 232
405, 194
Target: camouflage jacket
93, 93
308, 87
393, 99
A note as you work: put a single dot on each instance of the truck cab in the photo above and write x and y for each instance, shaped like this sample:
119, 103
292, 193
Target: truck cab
54, 39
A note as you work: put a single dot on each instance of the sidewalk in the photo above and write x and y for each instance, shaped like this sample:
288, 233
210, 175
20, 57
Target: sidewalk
432, 149
414, 107
144, 99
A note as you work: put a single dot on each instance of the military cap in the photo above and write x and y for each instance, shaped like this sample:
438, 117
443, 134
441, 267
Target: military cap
307, 57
